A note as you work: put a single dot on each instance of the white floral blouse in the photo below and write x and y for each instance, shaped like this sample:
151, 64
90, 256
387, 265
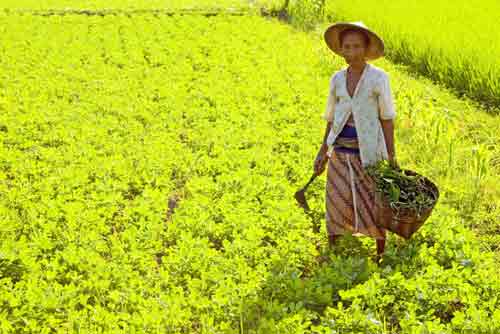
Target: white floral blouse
372, 100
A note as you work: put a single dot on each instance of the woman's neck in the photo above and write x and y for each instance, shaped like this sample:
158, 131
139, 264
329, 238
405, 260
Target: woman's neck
357, 68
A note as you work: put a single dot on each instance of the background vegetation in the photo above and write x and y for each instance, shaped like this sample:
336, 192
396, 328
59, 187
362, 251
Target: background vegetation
147, 170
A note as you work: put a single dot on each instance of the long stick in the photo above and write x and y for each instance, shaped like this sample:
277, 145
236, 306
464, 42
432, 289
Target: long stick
310, 181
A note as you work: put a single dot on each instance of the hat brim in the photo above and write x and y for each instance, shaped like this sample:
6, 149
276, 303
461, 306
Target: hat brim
375, 49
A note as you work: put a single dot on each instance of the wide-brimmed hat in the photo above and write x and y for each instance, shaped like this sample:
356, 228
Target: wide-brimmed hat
332, 38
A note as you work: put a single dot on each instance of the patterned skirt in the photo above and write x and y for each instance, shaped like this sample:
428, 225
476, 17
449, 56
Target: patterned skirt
350, 198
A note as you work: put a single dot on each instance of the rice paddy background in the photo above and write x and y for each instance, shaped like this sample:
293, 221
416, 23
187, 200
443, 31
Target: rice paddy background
456, 43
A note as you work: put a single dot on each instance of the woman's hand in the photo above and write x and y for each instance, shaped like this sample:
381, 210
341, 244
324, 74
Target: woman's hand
321, 160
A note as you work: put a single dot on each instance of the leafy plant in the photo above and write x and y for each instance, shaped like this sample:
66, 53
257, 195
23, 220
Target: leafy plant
403, 190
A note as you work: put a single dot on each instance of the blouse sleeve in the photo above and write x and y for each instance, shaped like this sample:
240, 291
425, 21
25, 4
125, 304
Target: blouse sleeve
385, 100
330, 104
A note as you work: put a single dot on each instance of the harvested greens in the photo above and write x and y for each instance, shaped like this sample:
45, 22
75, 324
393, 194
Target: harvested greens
403, 189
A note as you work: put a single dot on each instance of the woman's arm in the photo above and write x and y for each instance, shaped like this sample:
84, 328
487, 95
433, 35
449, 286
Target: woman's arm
321, 158
328, 115
387, 113
388, 128
324, 146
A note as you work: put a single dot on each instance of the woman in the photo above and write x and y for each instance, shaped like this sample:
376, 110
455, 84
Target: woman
359, 132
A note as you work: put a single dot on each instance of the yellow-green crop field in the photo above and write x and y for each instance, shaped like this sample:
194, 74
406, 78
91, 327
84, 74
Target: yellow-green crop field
147, 169
124, 4
131, 6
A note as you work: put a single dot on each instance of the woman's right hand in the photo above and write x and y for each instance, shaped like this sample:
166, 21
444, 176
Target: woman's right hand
320, 161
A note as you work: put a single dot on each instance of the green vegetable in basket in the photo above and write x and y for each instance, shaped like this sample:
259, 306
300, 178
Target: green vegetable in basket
403, 191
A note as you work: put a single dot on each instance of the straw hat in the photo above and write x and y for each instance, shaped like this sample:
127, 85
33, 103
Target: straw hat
332, 38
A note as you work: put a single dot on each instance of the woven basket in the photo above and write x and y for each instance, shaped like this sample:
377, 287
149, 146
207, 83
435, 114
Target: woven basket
408, 222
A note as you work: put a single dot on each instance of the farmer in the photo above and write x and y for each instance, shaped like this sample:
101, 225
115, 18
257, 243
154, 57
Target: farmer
359, 132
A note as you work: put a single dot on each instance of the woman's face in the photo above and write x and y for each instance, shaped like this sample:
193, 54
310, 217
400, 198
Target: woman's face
353, 47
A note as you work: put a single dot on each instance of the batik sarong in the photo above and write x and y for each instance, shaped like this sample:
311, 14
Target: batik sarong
350, 193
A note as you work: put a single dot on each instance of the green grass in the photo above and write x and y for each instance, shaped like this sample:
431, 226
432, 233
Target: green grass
121, 4
221, 115
58, 6
457, 44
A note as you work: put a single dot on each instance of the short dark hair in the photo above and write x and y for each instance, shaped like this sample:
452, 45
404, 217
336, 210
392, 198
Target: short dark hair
343, 33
